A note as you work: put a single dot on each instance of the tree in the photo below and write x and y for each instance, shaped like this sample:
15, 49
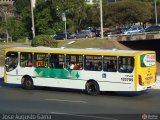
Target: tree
44, 40
93, 15
75, 11
43, 19
17, 29
127, 13
21, 4
23, 14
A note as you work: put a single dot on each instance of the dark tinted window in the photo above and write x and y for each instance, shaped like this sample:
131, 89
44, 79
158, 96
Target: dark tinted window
125, 64
57, 61
93, 63
26, 60
110, 63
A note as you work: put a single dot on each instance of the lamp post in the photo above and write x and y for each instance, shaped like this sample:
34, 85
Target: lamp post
33, 27
155, 5
101, 17
65, 26
5, 18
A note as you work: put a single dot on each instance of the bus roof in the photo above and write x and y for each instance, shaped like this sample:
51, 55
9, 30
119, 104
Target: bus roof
73, 50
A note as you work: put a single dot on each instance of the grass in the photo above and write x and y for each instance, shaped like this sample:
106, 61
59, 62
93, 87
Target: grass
87, 43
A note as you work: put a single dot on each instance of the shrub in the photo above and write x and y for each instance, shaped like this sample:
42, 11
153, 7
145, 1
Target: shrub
44, 40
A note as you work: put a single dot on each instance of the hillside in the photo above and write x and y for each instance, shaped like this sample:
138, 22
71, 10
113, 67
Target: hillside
92, 43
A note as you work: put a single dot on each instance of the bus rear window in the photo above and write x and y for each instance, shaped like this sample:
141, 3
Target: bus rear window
147, 60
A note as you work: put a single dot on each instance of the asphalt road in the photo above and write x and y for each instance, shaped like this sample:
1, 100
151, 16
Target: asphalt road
73, 104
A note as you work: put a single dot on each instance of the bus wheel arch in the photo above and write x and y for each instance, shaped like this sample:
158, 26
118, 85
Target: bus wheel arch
92, 87
27, 82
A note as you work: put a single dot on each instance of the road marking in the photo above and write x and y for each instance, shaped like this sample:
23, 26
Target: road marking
86, 116
60, 100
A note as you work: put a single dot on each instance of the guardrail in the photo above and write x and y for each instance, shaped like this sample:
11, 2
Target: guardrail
137, 36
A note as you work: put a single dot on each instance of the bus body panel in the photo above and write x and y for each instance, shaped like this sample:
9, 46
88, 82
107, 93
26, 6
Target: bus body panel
147, 74
75, 79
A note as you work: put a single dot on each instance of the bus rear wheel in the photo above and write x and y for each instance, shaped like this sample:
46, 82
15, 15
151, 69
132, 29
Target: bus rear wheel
27, 83
92, 88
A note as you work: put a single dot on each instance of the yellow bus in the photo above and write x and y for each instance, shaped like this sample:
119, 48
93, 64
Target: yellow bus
90, 69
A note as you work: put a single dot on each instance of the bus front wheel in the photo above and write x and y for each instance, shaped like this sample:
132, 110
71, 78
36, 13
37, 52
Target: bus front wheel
27, 83
92, 88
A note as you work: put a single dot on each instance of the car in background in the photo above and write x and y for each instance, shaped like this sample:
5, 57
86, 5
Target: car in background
134, 30
84, 34
61, 36
95, 32
114, 31
107, 32
152, 28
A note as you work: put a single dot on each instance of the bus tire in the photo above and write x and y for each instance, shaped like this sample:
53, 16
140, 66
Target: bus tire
27, 83
92, 88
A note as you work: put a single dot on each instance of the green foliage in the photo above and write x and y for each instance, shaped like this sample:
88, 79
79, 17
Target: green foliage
16, 28
59, 27
127, 12
44, 40
43, 20
26, 19
93, 15
48, 15
21, 4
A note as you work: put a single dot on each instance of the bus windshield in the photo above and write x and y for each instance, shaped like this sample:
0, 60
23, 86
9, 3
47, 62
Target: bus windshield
11, 61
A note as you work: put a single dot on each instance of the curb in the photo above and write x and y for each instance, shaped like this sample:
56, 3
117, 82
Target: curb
1, 71
157, 84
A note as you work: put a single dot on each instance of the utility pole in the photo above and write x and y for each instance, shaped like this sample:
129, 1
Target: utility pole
5, 17
65, 25
101, 17
155, 3
6, 25
33, 27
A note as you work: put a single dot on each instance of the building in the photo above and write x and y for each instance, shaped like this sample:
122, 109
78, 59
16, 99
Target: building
7, 2
6, 8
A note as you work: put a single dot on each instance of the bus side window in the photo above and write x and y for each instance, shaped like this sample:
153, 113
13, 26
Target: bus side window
57, 61
126, 64
74, 62
41, 60
93, 63
25, 59
54, 62
110, 63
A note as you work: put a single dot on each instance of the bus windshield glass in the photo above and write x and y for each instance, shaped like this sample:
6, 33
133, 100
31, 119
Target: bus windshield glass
11, 61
